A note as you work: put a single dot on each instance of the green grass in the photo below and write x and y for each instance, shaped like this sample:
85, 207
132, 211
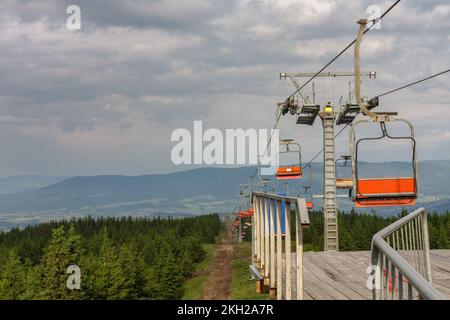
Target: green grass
243, 250
209, 257
193, 287
242, 286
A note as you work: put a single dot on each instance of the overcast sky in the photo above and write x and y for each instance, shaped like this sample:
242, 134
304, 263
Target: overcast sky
105, 99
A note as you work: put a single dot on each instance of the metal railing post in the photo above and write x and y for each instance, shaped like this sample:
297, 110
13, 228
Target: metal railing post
376, 263
426, 247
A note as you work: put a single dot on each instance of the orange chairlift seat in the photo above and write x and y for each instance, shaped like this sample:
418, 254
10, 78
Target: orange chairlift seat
245, 214
398, 191
290, 171
385, 191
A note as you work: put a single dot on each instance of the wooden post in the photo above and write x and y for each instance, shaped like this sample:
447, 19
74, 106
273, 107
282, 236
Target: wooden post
288, 249
252, 221
272, 244
255, 228
299, 254
279, 283
266, 239
261, 233
260, 286
273, 293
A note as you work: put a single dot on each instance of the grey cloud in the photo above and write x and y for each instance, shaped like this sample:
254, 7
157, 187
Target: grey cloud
140, 69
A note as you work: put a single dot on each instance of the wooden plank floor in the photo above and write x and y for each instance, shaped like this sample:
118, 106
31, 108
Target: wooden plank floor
343, 275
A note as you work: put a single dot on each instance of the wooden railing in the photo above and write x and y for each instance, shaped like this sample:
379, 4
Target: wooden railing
268, 241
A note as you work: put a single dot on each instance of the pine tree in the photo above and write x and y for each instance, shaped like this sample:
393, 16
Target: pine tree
63, 250
32, 282
13, 278
345, 239
168, 273
106, 269
132, 270
443, 241
118, 273
361, 240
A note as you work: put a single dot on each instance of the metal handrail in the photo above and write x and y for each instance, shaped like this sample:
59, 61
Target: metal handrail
267, 243
407, 236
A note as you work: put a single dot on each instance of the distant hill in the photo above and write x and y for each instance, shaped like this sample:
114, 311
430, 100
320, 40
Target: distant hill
16, 184
188, 192
182, 193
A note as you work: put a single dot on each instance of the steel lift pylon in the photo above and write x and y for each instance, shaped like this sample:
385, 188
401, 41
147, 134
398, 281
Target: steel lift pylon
307, 114
329, 181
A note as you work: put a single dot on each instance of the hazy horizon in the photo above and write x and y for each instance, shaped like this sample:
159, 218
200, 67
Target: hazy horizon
187, 168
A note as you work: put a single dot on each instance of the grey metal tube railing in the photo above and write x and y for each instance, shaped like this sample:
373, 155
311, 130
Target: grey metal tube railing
401, 258
268, 242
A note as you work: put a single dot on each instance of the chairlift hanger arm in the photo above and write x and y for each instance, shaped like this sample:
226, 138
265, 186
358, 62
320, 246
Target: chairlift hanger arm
362, 105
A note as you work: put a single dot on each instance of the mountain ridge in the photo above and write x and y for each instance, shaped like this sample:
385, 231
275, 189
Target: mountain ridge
194, 191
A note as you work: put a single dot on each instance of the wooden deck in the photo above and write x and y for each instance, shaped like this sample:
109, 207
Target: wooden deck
343, 275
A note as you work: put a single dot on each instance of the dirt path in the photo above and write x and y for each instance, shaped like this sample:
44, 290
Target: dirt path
218, 283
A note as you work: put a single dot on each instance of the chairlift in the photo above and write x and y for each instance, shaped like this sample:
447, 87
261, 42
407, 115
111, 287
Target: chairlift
307, 194
264, 184
290, 170
388, 191
308, 197
379, 192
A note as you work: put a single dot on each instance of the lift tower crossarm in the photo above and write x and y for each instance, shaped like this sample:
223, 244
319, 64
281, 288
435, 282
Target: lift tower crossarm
285, 75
